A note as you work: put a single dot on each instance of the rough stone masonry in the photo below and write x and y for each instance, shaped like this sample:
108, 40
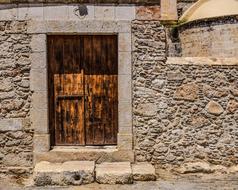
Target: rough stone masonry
182, 112
15, 97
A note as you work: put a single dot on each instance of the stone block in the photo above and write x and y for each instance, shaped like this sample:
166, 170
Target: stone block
148, 12
125, 141
175, 76
124, 41
147, 109
125, 113
38, 80
143, 172
74, 14
38, 60
123, 26
10, 125
104, 13
57, 12
187, 92
67, 173
40, 100
8, 12
30, 12
36, 27
124, 88
38, 43
214, 108
114, 173
39, 119
169, 10
62, 26
125, 12
41, 142
125, 63
125, 129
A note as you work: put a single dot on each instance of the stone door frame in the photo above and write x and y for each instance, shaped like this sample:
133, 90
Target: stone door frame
39, 75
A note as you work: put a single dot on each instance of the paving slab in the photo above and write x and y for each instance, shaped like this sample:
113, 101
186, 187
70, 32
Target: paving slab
114, 173
67, 173
143, 172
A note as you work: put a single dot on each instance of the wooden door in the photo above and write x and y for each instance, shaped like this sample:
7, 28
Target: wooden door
83, 95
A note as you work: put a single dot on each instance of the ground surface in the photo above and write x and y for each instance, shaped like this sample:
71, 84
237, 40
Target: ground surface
203, 182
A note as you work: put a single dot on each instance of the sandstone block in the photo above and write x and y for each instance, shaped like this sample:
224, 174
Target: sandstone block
38, 80
124, 65
30, 12
143, 172
124, 87
67, 173
125, 13
125, 141
125, 113
232, 106
104, 12
124, 41
38, 43
214, 108
56, 12
114, 173
41, 142
148, 12
187, 92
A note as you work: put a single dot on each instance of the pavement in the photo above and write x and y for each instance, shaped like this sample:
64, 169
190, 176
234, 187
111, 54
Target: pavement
204, 182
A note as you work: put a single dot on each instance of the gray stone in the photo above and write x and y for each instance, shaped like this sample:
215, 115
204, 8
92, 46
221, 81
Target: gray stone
175, 76
143, 172
67, 173
10, 125
147, 109
114, 173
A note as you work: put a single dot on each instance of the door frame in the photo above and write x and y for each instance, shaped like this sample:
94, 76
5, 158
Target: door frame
39, 76
79, 41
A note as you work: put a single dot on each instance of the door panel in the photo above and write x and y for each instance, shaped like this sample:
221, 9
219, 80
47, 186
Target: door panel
69, 107
101, 105
83, 95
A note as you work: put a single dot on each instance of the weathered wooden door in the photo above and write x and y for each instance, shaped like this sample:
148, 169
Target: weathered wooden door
83, 94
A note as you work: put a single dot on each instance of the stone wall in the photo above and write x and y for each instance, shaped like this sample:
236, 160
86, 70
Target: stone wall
15, 97
183, 110
210, 38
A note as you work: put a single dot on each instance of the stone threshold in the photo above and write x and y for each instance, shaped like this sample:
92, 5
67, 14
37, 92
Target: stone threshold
99, 155
85, 172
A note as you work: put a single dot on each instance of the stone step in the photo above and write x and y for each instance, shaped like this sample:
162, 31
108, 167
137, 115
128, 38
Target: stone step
143, 172
114, 173
67, 173
84, 172
124, 172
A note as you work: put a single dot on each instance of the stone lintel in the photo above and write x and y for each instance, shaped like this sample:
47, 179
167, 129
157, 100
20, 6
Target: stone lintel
141, 2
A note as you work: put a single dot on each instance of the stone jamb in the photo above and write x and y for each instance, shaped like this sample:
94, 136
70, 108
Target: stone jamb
38, 76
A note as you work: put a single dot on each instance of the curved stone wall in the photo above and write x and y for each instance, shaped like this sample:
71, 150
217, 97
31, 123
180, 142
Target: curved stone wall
210, 38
